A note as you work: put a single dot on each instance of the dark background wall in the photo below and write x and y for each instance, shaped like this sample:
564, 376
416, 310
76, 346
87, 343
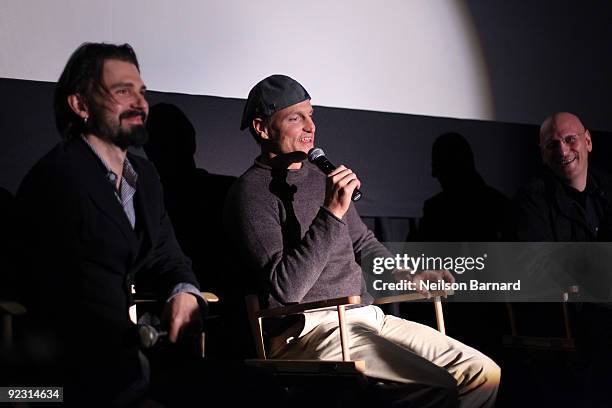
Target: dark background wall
540, 57
390, 152
545, 56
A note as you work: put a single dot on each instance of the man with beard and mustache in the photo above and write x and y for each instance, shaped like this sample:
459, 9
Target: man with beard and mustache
91, 218
570, 202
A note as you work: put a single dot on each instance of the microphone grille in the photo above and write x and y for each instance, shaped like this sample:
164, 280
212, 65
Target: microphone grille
315, 153
148, 335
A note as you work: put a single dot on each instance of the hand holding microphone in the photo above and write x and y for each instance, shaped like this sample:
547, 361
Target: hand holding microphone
149, 336
342, 184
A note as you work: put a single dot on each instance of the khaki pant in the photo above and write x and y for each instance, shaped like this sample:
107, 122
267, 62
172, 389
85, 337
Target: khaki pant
397, 350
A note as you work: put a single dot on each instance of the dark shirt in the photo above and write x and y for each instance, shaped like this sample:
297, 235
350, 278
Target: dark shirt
547, 210
585, 204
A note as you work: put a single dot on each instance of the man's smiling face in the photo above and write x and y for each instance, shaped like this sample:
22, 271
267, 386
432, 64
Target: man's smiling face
291, 130
565, 146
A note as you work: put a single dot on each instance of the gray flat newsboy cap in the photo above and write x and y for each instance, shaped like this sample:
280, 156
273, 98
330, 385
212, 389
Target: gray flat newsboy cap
271, 95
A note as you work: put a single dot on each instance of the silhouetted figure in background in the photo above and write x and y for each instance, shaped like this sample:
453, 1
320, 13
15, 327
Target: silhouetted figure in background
194, 197
467, 209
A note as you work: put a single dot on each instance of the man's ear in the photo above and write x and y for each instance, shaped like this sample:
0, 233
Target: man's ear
78, 106
260, 128
588, 141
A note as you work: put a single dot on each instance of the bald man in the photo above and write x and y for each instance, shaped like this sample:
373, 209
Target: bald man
569, 201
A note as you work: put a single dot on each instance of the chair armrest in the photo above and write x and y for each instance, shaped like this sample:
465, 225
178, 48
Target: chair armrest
210, 297
149, 297
409, 297
302, 307
12, 308
572, 291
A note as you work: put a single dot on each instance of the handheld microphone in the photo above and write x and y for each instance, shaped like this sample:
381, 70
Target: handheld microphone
149, 336
316, 155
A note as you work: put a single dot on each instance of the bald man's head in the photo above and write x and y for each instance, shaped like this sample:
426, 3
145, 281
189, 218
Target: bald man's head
565, 145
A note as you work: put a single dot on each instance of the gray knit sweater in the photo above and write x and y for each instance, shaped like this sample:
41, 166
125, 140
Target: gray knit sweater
300, 251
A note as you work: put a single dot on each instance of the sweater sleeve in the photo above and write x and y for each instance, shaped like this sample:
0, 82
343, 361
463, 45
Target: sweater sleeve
364, 241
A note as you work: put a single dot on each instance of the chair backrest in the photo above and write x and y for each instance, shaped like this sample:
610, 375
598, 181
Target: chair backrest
252, 306
552, 341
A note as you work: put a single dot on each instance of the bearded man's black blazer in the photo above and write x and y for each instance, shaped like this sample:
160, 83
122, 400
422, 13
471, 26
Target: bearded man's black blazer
79, 256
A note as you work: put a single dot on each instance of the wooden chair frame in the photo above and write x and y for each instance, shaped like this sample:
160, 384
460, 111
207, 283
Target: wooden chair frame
8, 311
347, 366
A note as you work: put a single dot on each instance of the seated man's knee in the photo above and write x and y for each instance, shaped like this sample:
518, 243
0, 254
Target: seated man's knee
491, 371
483, 374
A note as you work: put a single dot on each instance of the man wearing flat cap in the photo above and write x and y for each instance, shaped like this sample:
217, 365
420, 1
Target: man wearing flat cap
298, 235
